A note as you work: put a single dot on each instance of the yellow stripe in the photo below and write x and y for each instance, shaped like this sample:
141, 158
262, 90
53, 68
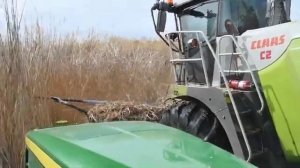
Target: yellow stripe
45, 160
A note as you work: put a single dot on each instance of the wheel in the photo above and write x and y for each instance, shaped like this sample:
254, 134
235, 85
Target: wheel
197, 120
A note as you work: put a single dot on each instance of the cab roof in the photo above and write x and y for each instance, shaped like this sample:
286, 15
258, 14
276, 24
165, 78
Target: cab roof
129, 144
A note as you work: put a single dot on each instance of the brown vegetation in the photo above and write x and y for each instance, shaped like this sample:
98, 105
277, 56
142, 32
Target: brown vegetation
36, 63
120, 111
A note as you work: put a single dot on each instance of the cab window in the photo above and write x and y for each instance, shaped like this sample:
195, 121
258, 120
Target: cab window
245, 14
201, 18
295, 12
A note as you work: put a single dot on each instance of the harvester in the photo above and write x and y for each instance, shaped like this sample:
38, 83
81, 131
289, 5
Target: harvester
237, 72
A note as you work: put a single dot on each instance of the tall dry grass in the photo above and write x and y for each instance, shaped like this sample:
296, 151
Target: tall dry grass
37, 63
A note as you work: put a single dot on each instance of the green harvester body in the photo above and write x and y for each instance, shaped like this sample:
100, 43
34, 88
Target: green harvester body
123, 144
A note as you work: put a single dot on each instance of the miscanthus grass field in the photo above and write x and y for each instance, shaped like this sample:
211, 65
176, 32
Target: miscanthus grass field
35, 63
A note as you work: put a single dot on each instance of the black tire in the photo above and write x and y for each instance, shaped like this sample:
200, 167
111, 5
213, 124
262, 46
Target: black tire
197, 120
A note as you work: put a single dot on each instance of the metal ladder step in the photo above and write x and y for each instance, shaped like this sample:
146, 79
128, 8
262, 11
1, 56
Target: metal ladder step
246, 112
254, 132
257, 154
185, 60
229, 54
255, 140
238, 71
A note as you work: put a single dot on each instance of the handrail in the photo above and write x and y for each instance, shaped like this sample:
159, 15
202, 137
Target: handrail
191, 60
229, 54
186, 60
227, 87
251, 72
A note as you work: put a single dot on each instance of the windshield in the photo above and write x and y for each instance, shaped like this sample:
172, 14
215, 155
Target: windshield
245, 14
202, 18
295, 12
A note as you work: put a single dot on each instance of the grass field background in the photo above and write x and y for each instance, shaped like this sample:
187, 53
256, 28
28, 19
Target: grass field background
36, 63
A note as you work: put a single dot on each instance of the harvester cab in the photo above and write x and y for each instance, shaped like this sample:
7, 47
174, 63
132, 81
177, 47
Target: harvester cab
236, 69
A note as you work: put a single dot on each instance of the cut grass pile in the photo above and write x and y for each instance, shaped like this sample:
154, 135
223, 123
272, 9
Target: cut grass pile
125, 111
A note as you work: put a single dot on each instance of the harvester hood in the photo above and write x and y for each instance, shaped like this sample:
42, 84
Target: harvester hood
128, 144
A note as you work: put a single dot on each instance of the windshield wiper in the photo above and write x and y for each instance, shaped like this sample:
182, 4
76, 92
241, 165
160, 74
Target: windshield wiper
192, 12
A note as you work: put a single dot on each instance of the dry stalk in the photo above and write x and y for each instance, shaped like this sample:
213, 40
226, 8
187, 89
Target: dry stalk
39, 63
120, 111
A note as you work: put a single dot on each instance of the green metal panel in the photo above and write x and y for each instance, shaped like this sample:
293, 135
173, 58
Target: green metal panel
177, 90
281, 85
33, 162
130, 144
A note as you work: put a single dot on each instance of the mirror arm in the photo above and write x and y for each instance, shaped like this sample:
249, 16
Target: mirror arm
155, 6
158, 33
155, 28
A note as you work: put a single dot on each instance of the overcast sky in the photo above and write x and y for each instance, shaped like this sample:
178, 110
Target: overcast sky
128, 18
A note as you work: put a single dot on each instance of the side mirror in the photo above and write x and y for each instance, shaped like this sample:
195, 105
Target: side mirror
230, 28
161, 21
